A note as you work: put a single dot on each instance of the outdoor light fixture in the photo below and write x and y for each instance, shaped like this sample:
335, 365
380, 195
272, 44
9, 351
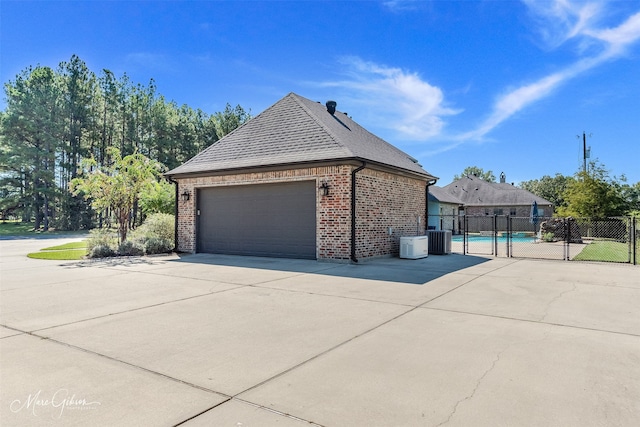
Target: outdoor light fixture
186, 196
324, 189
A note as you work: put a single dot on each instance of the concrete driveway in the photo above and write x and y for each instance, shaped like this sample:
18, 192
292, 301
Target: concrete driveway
231, 341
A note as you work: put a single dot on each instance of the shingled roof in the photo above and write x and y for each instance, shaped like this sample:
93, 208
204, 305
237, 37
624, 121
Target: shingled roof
297, 130
473, 191
441, 195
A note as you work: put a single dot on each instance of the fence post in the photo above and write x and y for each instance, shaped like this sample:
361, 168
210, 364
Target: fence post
634, 241
495, 235
567, 238
465, 221
630, 242
509, 228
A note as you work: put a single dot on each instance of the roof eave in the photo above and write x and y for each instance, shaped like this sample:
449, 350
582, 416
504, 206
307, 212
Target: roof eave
297, 165
505, 204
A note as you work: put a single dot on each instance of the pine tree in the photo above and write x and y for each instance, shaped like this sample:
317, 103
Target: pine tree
31, 136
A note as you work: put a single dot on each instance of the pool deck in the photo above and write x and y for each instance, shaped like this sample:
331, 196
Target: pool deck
520, 249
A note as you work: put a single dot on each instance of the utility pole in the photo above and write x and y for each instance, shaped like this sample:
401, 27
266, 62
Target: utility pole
584, 150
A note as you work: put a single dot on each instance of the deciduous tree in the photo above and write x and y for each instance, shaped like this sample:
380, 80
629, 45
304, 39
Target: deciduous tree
117, 187
159, 198
593, 194
549, 188
476, 171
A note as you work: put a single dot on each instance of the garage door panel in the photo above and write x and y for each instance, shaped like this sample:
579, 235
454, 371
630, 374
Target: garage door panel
263, 220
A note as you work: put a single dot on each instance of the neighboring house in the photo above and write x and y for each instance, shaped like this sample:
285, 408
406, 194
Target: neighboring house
491, 198
300, 180
443, 210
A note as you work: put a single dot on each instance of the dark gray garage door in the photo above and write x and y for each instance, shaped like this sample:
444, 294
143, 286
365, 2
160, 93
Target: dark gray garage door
277, 220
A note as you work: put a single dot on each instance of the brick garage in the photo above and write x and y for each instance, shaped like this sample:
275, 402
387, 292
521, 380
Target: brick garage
300, 141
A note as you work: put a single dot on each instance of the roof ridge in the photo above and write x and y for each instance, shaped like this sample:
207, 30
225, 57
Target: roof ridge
334, 137
492, 193
338, 140
296, 130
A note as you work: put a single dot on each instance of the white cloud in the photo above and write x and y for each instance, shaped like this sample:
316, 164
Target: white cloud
401, 5
620, 37
514, 101
402, 100
562, 20
567, 21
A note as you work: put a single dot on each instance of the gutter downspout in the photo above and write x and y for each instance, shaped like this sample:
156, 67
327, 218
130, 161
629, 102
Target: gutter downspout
353, 210
175, 219
426, 203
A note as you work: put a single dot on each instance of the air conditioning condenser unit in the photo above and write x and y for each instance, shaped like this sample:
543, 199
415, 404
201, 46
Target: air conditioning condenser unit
439, 242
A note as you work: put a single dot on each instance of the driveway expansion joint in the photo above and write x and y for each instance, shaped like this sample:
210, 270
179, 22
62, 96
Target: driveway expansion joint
327, 351
132, 365
463, 284
274, 411
136, 309
539, 322
201, 412
297, 291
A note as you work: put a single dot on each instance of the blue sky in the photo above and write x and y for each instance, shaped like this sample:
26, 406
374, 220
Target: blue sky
503, 85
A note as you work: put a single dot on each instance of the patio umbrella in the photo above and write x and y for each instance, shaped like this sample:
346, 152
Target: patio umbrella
533, 219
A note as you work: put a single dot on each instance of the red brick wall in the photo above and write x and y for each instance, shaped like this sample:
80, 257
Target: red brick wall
383, 200
334, 215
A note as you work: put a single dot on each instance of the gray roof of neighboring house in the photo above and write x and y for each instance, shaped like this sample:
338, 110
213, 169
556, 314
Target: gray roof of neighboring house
474, 191
297, 130
439, 194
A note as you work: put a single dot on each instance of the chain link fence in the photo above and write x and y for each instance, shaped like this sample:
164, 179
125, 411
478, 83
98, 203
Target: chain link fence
570, 239
636, 247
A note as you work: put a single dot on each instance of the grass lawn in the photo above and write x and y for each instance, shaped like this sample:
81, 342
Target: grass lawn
14, 228
72, 245
604, 251
17, 228
66, 252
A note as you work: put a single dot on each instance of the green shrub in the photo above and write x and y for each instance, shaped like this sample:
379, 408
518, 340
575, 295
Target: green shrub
101, 251
102, 237
130, 248
156, 245
159, 225
154, 236
548, 237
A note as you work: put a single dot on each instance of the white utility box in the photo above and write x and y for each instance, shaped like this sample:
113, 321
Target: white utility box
414, 247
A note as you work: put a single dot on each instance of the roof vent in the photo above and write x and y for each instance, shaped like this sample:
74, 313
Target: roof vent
331, 106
